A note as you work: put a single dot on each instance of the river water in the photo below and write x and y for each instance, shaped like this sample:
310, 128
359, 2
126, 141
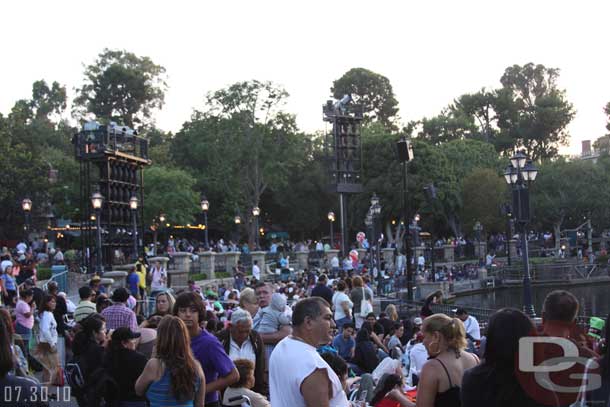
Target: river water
594, 299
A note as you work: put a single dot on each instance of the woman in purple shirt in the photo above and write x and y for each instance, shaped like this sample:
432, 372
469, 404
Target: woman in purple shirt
24, 313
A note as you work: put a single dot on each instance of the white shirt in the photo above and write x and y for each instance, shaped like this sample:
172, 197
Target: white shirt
245, 351
338, 298
21, 247
290, 364
417, 357
319, 247
334, 262
48, 328
472, 327
59, 256
159, 276
256, 272
421, 260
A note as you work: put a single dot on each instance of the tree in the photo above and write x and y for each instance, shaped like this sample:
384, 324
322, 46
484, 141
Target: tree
371, 90
162, 194
532, 111
122, 87
240, 145
484, 191
602, 144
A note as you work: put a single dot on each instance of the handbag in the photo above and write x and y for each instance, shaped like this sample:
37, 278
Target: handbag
365, 305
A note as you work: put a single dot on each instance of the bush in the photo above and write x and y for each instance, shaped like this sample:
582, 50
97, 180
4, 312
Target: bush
197, 277
43, 273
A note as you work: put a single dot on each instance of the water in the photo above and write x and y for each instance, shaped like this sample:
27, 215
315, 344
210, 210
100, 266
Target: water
594, 299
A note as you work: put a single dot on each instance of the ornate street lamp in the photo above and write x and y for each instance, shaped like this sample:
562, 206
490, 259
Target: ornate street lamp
256, 212
205, 206
26, 205
519, 175
97, 201
405, 155
331, 220
133, 205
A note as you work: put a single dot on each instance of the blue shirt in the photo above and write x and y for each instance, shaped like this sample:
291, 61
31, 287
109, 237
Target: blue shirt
9, 282
214, 361
132, 281
344, 347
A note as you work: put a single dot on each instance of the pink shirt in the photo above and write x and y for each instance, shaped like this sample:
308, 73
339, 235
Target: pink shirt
21, 309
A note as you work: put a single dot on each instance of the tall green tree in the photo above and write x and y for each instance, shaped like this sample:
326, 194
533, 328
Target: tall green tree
371, 90
240, 145
532, 111
483, 192
123, 87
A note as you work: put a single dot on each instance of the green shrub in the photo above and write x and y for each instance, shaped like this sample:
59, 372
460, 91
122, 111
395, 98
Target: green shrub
197, 277
43, 273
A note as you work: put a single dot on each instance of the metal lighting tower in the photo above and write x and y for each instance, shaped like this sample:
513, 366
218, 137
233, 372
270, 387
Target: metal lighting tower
343, 155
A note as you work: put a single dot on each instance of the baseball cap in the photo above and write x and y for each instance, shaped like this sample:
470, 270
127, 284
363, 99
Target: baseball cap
459, 311
418, 321
124, 334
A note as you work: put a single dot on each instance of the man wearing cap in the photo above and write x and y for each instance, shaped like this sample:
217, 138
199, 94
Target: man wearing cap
96, 286
125, 365
85, 307
118, 314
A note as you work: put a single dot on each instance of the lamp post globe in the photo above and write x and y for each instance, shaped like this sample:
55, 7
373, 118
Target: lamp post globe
97, 201
205, 207
133, 205
256, 211
26, 204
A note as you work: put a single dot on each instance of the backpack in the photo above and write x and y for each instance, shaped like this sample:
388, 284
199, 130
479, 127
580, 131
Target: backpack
74, 376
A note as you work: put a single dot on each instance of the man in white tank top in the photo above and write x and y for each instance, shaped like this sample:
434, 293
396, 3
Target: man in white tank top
298, 376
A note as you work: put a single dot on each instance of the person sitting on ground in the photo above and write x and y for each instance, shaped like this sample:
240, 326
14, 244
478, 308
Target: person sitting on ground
417, 357
365, 354
389, 393
394, 344
243, 386
344, 342
441, 376
493, 382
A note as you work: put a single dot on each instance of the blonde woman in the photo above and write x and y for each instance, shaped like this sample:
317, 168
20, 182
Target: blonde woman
248, 301
441, 376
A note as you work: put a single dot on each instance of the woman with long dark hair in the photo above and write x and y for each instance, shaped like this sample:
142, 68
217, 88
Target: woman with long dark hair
173, 376
365, 354
88, 350
46, 350
493, 382
388, 393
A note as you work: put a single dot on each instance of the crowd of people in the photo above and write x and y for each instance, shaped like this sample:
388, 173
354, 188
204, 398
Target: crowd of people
315, 341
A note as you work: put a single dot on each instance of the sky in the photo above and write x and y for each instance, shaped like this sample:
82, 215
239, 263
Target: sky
431, 51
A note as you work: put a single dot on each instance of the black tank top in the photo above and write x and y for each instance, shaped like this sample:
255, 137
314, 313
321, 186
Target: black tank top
451, 396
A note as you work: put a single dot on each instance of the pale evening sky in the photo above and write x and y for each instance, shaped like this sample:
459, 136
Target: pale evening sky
431, 51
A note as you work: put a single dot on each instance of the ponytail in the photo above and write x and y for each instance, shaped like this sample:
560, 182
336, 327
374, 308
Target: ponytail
452, 329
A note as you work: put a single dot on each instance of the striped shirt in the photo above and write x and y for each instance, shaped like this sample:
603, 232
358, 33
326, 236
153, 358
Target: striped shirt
118, 315
83, 310
159, 393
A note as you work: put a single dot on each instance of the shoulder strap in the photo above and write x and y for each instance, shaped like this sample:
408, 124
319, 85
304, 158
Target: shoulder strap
446, 371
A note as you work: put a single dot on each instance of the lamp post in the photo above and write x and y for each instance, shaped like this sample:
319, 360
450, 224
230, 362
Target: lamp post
375, 211
133, 205
331, 219
26, 205
478, 228
96, 201
256, 212
519, 175
405, 154
205, 206
159, 222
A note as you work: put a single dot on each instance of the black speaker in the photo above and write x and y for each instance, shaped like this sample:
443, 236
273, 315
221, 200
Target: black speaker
405, 150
